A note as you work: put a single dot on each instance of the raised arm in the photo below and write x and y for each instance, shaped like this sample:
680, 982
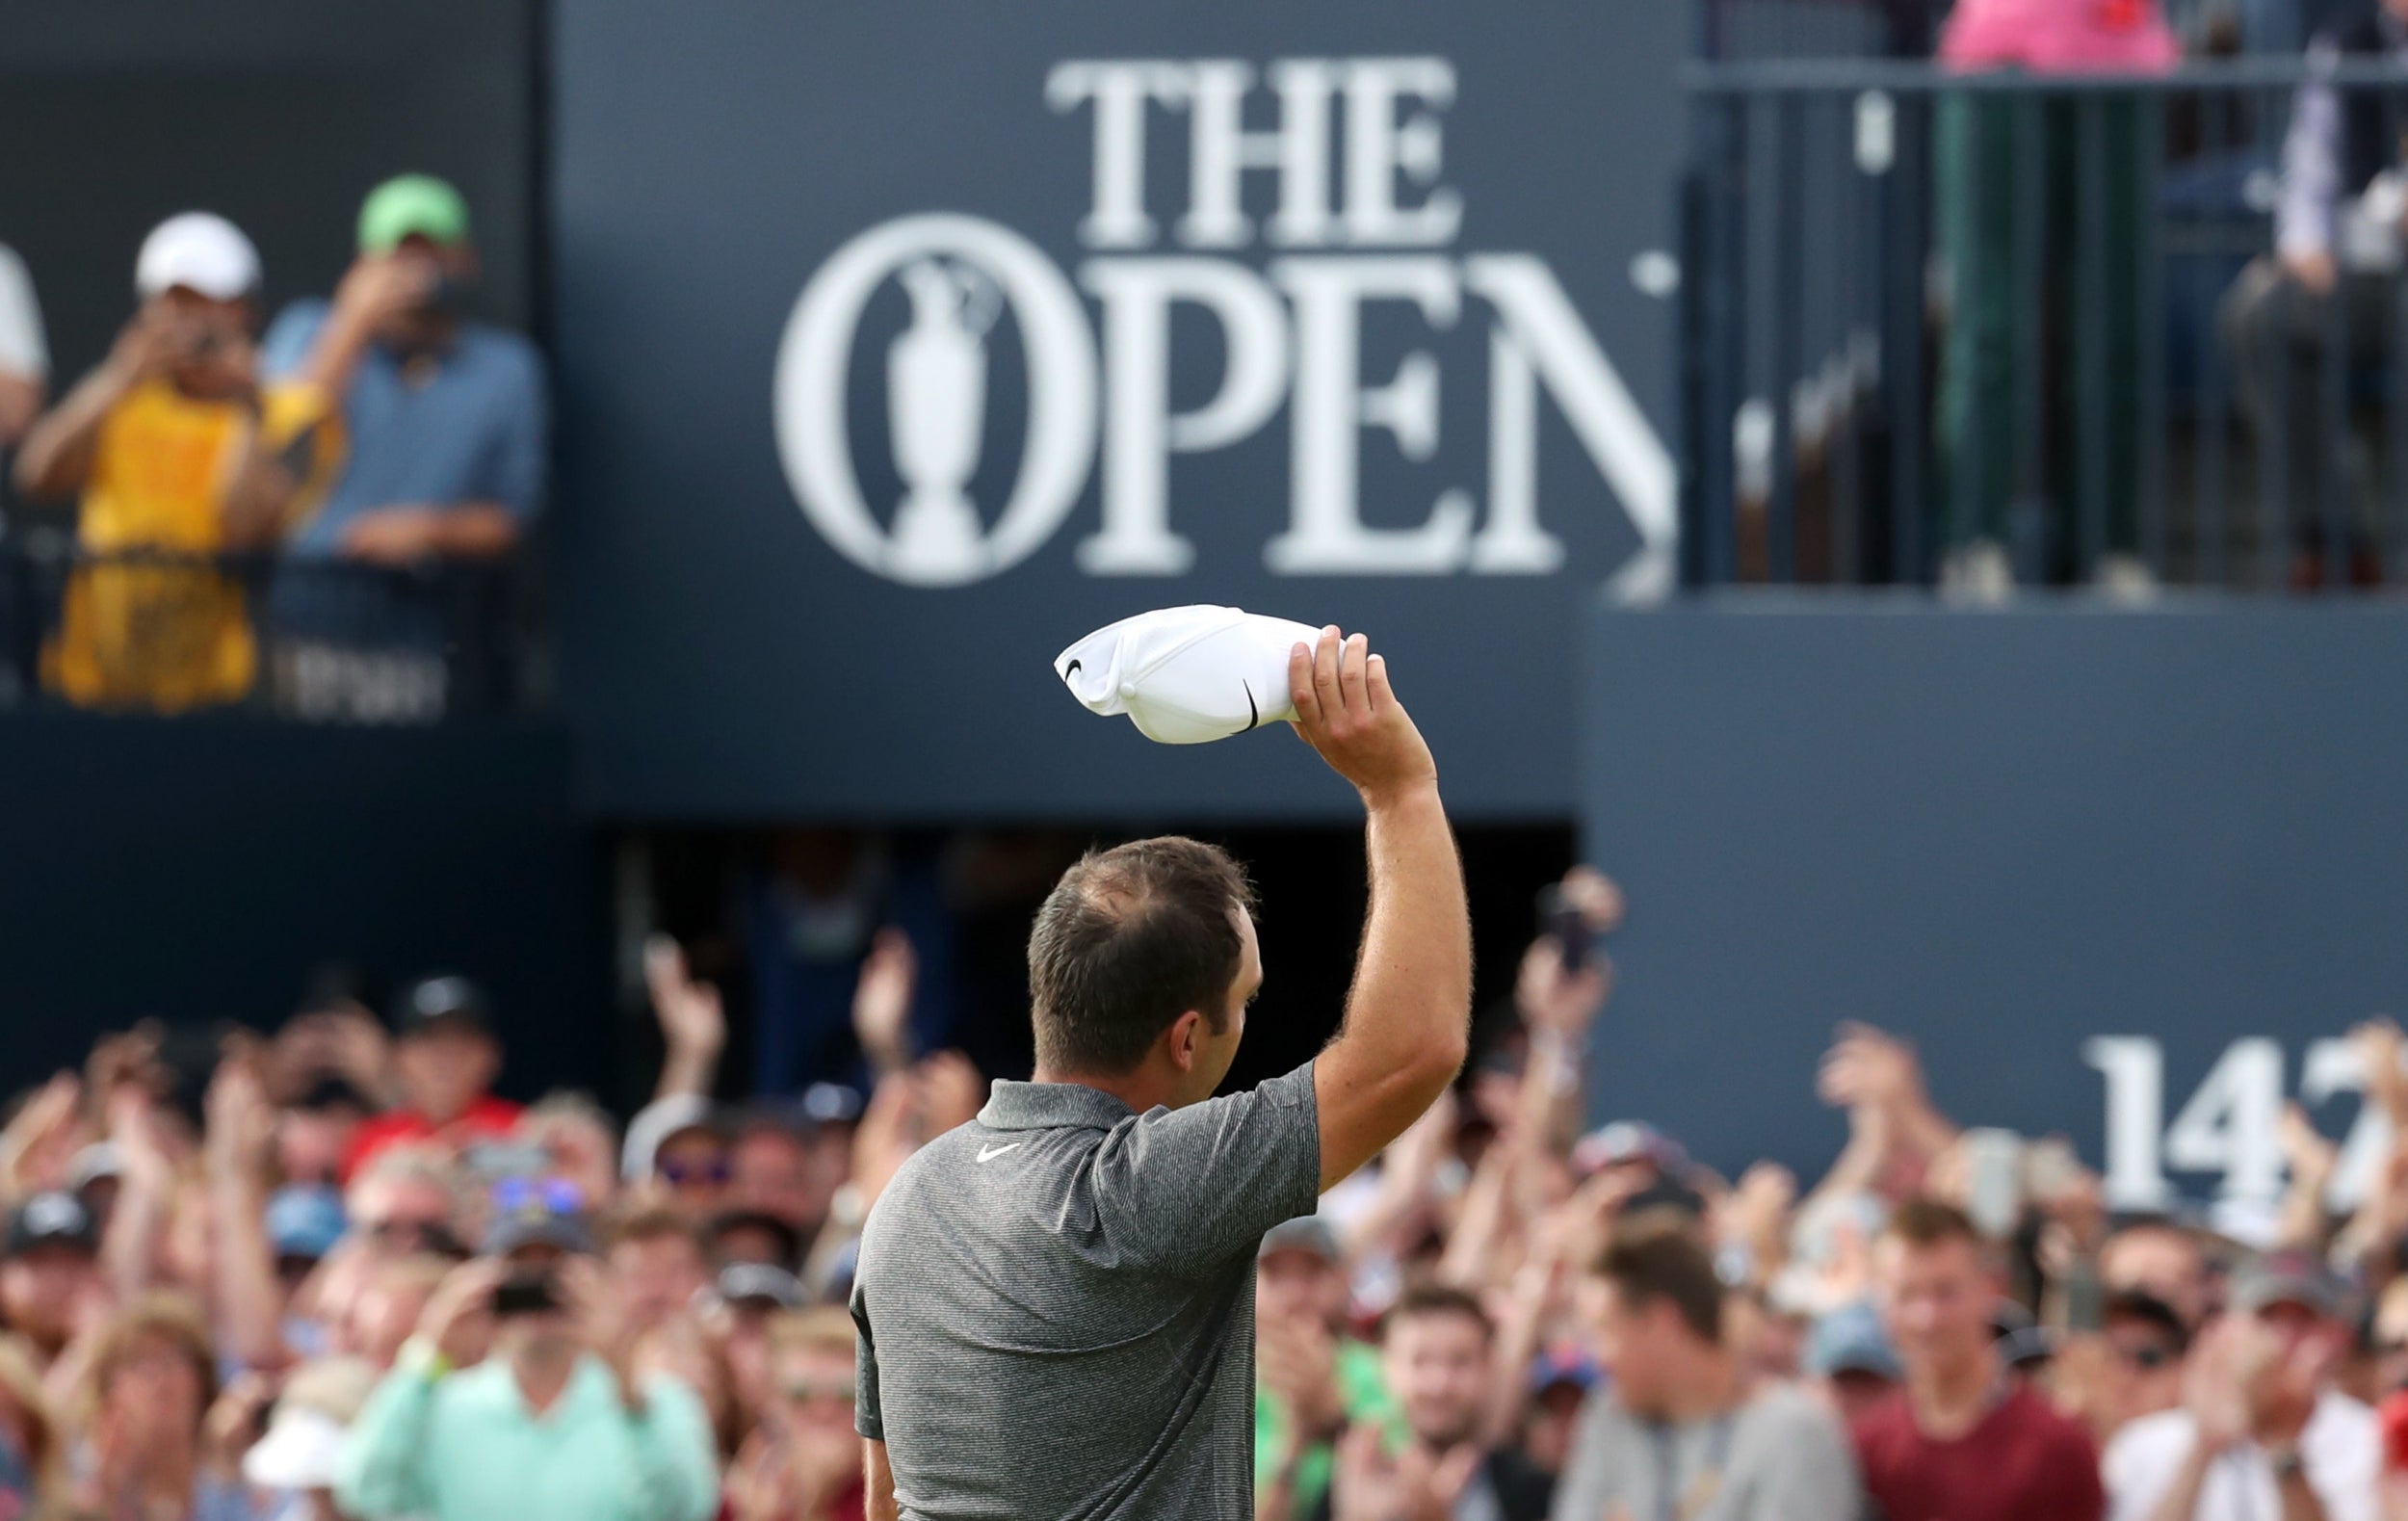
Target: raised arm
1408, 1016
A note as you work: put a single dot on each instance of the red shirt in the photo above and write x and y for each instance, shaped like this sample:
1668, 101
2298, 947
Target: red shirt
2393, 1412
2022, 1462
488, 1118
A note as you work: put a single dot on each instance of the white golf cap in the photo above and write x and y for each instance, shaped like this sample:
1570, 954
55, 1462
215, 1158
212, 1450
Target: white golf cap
1187, 674
202, 252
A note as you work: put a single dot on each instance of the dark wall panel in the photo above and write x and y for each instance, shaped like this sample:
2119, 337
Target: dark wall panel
2006, 835
200, 870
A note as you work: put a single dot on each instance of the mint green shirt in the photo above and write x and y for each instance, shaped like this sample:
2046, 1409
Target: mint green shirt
465, 1446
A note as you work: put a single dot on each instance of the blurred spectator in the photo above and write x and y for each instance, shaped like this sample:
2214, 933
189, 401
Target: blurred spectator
1679, 1430
50, 1282
2333, 278
2133, 1367
787, 1164
2261, 1431
1962, 1439
176, 453
401, 1202
1850, 1356
748, 1236
33, 1462
299, 1458
1560, 1381
657, 1266
2162, 1260
392, 1296
1981, 149
151, 1385
1311, 1378
579, 1145
1438, 1358
746, 1301
445, 1058
445, 420
805, 1462
24, 358
316, 1130
845, 944
674, 1146
552, 1424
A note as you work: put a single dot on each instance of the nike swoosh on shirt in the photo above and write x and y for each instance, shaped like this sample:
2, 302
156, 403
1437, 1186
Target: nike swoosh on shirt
990, 1153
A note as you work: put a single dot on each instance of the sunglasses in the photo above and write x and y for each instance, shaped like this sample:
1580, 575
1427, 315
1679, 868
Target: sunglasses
2147, 1357
678, 1174
805, 1390
407, 1232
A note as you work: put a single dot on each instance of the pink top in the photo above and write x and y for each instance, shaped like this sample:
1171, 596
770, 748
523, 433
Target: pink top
2060, 37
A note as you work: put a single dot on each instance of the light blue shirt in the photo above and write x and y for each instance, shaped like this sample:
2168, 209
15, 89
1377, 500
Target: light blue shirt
465, 1446
470, 428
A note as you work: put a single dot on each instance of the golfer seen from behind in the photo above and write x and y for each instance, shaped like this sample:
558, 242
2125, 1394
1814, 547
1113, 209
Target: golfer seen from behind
1056, 1302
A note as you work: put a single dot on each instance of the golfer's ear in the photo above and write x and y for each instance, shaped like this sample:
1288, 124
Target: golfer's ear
1182, 1039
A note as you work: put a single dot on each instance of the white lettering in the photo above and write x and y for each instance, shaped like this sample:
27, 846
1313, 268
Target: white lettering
1139, 430
1379, 147
1331, 406
1121, 91
1221, 150
1548, 332
2134, 1070
2229, 1124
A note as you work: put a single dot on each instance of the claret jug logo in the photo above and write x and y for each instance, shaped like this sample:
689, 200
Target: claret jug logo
1382, 229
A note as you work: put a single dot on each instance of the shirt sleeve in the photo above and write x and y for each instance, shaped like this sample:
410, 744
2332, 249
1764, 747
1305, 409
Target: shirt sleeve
380, 1474
2347, 1471
286, 347
2080, 1496
677, 1475
2136, 1470
22, 351
2303, 218
1811, 1472
1587, 1482
866, 1418
522, 446
1183, 1188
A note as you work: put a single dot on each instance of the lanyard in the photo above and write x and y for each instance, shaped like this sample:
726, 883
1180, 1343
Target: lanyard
1700, 1491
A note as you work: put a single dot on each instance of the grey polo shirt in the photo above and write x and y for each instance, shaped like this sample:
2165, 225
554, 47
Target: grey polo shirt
1056, 1303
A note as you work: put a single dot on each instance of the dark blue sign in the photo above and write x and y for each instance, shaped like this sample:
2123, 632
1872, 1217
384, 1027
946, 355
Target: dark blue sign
2128, 877
902, 345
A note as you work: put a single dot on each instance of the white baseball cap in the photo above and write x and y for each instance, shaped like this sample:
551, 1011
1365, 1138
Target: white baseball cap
202, 252
1187, 674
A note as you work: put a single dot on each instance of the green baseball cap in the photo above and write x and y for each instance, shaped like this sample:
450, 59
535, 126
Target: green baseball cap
411, 205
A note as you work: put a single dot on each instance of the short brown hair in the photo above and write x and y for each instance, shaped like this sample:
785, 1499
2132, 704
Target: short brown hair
167, 1316
1666, 1264
651, 1223
1929, 1222
1429, 1301
1127, 940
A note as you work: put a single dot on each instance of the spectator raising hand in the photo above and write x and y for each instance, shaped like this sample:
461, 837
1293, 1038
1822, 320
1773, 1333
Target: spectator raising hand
694, 1024
881, 1001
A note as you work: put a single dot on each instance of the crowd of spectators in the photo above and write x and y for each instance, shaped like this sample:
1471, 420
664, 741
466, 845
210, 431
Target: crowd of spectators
381, 431
326, 1271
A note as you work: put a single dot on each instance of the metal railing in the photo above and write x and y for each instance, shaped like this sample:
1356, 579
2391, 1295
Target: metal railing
1935, 322
313, 641
1734, 30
